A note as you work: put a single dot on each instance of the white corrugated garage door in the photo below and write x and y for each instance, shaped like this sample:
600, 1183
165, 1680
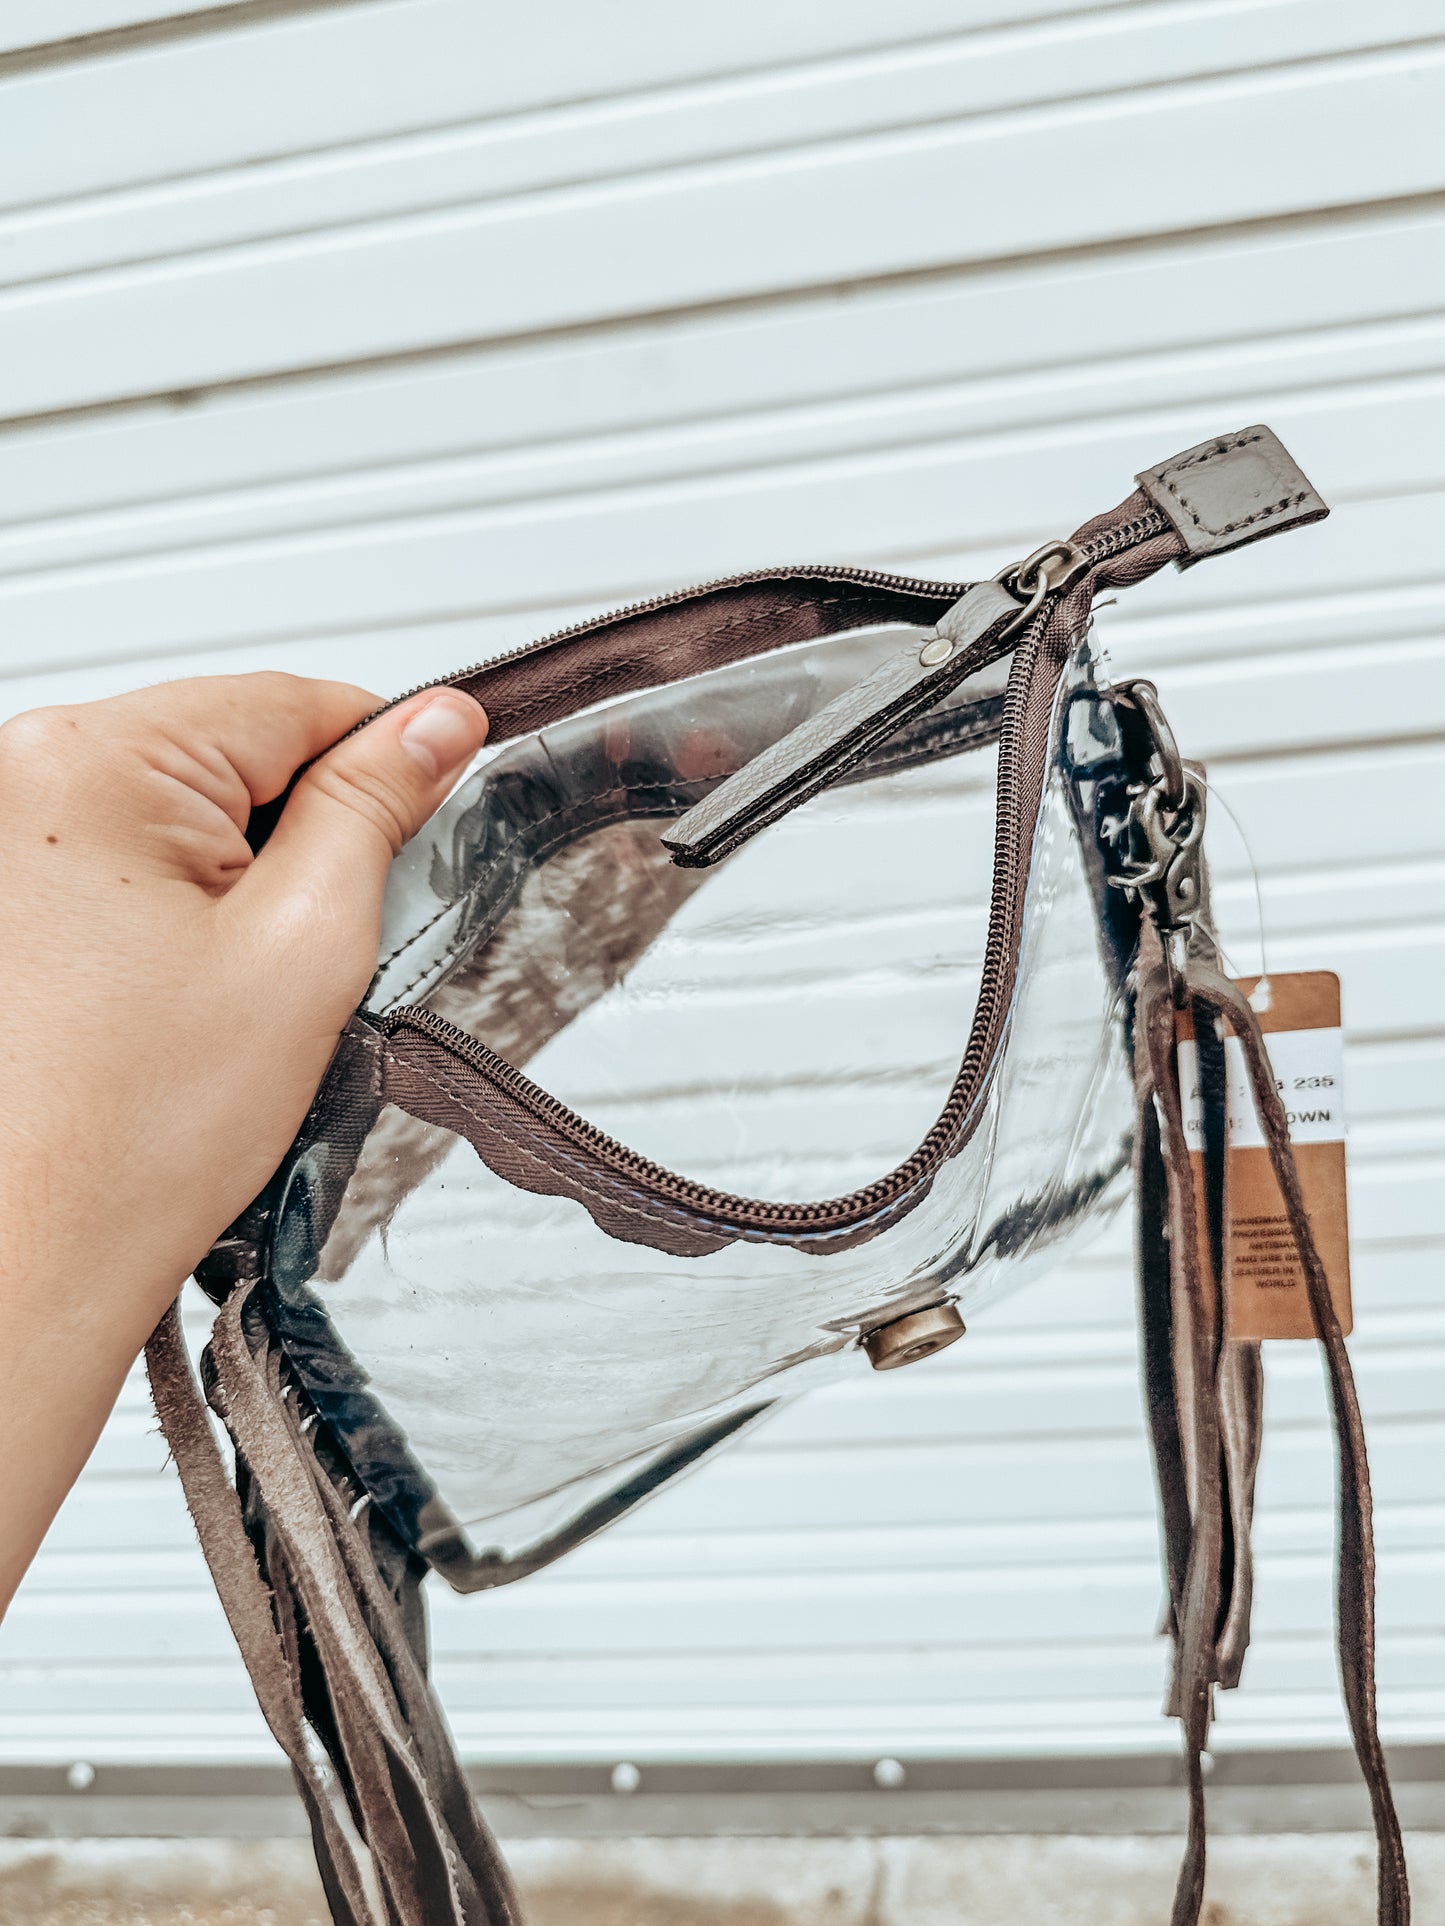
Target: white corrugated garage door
367, 339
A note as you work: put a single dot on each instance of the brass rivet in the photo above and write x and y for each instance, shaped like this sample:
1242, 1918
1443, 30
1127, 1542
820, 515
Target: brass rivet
936, 651
918, 1335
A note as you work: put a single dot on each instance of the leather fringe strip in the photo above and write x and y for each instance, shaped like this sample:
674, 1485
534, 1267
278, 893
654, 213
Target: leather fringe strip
1204, 1402
398, 1837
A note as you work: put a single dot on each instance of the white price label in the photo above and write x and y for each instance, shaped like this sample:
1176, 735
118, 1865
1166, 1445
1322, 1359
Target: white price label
1308, 1070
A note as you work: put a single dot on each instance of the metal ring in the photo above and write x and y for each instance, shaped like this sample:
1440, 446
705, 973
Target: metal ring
1143, 696
1032, 579
1180, 833
1031, 570
1035, 599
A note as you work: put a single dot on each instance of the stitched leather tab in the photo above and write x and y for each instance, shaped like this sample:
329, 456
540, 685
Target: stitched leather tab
1231, 490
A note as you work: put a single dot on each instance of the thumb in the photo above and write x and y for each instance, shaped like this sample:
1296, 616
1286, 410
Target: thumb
354, 808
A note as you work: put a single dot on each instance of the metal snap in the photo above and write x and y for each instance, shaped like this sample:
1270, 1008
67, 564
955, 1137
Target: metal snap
918, 1335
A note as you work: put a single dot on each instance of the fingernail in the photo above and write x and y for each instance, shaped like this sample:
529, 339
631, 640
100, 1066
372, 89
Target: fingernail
445, 734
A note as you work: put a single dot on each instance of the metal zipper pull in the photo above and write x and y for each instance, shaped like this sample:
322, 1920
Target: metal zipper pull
975, 632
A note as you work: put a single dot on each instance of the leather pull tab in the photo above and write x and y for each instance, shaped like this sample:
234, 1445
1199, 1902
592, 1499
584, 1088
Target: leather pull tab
821, 749
1232, 490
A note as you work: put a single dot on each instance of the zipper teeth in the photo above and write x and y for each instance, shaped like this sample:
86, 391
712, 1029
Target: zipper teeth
809, 571
1140, 528
994, 986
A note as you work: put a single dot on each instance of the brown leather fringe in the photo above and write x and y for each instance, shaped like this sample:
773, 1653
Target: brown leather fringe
1195, 1357
1355, 1547
1204, 1402
398, 1837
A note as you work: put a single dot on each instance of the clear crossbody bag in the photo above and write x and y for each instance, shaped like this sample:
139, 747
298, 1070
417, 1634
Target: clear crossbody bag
799, 968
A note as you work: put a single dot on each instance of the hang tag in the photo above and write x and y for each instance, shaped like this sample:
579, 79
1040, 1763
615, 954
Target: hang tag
1264, 1288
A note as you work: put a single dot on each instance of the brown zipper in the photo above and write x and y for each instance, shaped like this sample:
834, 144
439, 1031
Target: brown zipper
932, 597
1023, 755
920, 585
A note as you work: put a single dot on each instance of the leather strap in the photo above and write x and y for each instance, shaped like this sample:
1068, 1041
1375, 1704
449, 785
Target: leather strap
398, 1838
1194, 1356
820, 751
1204, 1401
247, 1602
1355, 1545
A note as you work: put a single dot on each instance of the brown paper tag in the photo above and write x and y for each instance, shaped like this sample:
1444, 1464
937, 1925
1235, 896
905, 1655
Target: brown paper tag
1264, 1288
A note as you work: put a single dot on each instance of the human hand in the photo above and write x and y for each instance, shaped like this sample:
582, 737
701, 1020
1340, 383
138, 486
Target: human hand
171, 1005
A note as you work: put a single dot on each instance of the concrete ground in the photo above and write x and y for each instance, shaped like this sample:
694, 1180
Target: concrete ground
981, 1880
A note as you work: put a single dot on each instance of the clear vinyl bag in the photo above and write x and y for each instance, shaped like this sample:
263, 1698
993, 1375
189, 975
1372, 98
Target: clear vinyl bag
767, 997
511, 1352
